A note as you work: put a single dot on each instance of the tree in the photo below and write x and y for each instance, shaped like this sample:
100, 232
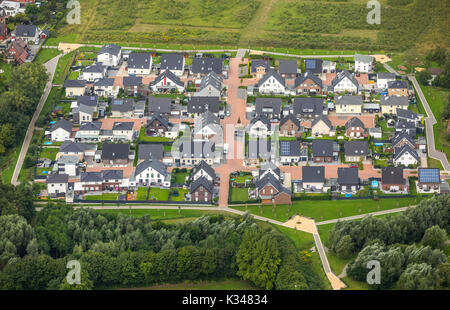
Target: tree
419, 277
423, 77
435, 237
15, 235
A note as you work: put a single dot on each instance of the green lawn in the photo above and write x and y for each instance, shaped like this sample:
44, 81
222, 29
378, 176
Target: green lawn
301, 239
144, 138
49, 153
9, 162
142, 193
180, 177
203, 285
46, 54
322, 210
158, 194
63, 68
104, 196
74, 75
181, 193
239, 194
161, 214
52, 100
6, 75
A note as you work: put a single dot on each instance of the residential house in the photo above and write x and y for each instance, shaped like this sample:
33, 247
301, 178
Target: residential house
269, 168
90, 182
325, 151
85, 114
60, 131
76, 149
203, 170
402, 138
157, 125
93, 72
210, 86
390, 104
207, 127
271, 191
201, 190
348, 104
167, 81
112, 180
17, 51
259, 150
115, 154
198, 105
89, 132
272, 83
75, 88
173, 62
269, 107
67, 165
392, 180
397, 88
292, 152
110, 55
105, 88
348, 180
152, 173
356, 151
11, 8
123, 131
344, 82
259, 68
429, 180
409, 116
313, 178
290, 126
28, 33
287, 68
122, 108
132, 85
363, 63
314, 65
193, 152
321, 126
151, 151
405, 156
328, 66
139, 63
371, 108
307, 108
405, 126
383, 78
308, 84
354, 129
204, 65
57, 185
159, 105
259, 126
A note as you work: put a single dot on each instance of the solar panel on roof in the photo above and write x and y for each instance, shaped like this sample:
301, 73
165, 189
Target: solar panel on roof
285, 148
429, 176
310, 64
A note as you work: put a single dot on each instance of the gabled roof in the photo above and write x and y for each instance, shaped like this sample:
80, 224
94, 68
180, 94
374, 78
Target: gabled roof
75, 83
403, 124
290, 148
429, 175
356, 148
167, 74
207, 118
263, 119
159, 104
269, 165
354, 122
105, 82
205, 65
272, 73
57, 178
153, 151
72, 147
259, 148
172, 62
401, 136
161, 118
259, 63
348, 99
122, 105
28, 31
262, 103
205, 167
91, 126
155, 164
397, 84
91, 177
90, 101
303, 105
110, 49
115, 151
348, 176
394, 100
313, 65
112, 175
315, 174
197, 149
323, 119
392, 175
86, 109
308, 75
202, 181
386, 75
131, 81
123, 126
211, 79
322, 148
407, 114
95, 68
290, 117
269, 179
139, 60
287, 66
341, 75
399, 151
67, 126
202, 104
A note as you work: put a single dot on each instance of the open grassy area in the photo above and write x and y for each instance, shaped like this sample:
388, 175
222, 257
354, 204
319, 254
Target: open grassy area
104, 196
239, 194
322, 210
158, 194
142, 193
180, 177
50, 103
181, 194
49, 153
63, 68
46, 54
160, 214
8, 163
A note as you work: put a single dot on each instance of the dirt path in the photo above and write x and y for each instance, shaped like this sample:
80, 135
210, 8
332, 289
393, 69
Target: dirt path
256, 25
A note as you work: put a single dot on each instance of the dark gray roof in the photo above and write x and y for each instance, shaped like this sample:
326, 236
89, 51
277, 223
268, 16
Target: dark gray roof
171, 62
287, 66
290, 117
91, 126
322, 148
308, 75
155, 164
259, 148
202, 104
168, 75
26, 31
290, 148
123, 126
394, 100
202, 181
197, 149
110, 49
403, 124
392, 175
57, 178
208, 118
115, 151
267, 166
341, 75
324, 119
159, 104
161, 118
72, 147
307, 106
314, 174
269, 179
263, 103
274, 74
139, 60
90, 101
348, 99
105, 82
399, 151
354, 122
263, 119
348, 176
122, 105
356, 148
258, 63
67, 126
152, 151
397, 84
112, 175
313, 65
205, 65
95, 68
129, 81
399, 137
91, 177
204, 166
407, 114
74, 83
385, 75
212, 79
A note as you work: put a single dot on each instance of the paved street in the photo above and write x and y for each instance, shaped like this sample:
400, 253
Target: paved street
51, 67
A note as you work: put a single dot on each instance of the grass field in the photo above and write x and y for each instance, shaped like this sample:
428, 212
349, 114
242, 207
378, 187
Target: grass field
142, 193
104, 196
52, 100
159, 214
322, 210
181, 193
63, 68
45, 54
158, 194
239, 194
49, 153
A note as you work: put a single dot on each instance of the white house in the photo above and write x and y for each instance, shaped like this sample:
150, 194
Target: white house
11, 8
57, 184
85, 114
343, 82
173, 62
405, 156
110, 55
152, 172
67, 165
207, 127
203, 170
61, 131
259, 127
105, 88
383, 78
123, 131
272, 83
140, 63
211, 85
166, 82
93, 73
363, 63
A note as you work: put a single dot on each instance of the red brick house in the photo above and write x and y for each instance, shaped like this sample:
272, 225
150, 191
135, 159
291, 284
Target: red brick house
17, 51
3, 30
308, 83
354, 129
201, 190
392, 179
271, 191
157, 125
290, 126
